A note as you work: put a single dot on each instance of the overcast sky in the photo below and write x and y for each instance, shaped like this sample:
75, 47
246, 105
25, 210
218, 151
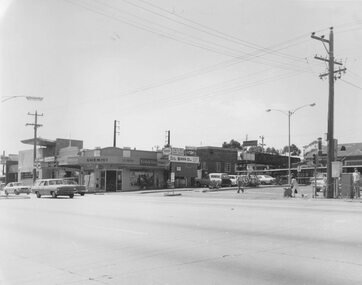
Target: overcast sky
206, 70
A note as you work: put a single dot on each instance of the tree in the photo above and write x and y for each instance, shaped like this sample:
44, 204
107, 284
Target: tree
294, 150
232, 144
271, 150
255, 149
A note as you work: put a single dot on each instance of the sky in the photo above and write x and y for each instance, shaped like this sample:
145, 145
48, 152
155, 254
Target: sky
206, 70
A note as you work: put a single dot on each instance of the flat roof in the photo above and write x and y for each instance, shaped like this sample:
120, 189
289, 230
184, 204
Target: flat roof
39, 142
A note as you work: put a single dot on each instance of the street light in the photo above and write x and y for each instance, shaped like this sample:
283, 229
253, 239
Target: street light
289, 113
29, 98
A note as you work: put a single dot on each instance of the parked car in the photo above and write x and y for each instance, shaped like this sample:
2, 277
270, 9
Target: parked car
16, 188
234, 180
54, 188
266, 179
250, 180
79, 189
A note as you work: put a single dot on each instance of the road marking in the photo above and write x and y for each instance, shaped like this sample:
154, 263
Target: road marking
117, 230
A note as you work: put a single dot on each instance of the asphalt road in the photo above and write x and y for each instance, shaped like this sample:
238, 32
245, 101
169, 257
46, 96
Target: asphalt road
195, 238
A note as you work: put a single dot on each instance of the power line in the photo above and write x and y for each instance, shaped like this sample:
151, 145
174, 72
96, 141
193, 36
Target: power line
352, 84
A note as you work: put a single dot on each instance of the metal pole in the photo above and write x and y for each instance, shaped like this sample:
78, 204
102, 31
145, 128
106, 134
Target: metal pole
330, 139
289, 174
114, 133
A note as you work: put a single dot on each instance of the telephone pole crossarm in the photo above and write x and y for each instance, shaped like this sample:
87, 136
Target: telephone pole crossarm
335, 71
322, 39
327, 59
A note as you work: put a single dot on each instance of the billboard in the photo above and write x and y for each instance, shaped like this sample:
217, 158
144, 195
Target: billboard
250, 143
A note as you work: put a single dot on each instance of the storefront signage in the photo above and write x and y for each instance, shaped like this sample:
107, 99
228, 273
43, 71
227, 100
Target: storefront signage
26, 175
108, 160
190, 151
166, 151
148, 162
184, 159
177, 151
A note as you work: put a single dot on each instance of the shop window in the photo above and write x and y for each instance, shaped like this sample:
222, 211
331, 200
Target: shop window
227, 167
218, 166
143, 179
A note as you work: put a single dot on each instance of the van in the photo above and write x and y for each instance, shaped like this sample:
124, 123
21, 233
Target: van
221, 179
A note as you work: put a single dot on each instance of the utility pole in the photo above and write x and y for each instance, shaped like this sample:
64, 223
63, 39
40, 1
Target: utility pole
262, 143
36, 126
115, 132
332, 75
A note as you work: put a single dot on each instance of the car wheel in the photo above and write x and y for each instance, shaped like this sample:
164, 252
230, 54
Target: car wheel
6, 193
16, 192
54, 195
81, 194
38, 195
71, 196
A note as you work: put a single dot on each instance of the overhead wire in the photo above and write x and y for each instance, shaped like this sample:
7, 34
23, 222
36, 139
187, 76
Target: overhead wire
205, 29
192, 43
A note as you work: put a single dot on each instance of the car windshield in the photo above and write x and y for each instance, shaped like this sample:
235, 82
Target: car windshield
17, 184
71, 182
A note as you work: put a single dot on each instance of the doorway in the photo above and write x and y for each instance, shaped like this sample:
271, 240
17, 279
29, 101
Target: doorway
113, 180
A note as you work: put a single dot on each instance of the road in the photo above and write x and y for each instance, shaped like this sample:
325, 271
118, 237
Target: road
196, 238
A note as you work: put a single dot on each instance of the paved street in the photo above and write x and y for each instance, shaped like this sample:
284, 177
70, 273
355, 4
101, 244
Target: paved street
196, 238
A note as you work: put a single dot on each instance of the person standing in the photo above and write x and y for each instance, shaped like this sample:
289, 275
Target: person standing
294, 185
356, 177
240, 184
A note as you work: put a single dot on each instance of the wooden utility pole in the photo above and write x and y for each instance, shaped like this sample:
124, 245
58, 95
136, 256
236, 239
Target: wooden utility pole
36, 126
332, 77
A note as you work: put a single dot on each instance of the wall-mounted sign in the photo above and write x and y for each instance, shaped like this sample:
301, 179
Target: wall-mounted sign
148, 162
190, 151
177, 151
184, 159
166, 151
107, 160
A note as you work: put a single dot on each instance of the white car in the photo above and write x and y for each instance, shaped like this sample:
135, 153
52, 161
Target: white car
16, 188
234, 180
266, 179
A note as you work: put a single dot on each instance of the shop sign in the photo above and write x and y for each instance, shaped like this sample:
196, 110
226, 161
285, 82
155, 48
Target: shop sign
148, 162
184, 159
190, 151
177, 151
107, 160
26, 175
166, 151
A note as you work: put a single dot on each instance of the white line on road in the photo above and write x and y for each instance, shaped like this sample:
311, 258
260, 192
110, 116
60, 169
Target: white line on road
117, 230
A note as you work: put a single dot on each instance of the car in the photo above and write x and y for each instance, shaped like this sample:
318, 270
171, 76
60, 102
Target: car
79, 189
16, 188
266, 179
250, 180
233, 179
54, 188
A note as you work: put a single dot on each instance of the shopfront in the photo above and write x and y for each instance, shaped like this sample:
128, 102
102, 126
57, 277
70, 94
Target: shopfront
115, 169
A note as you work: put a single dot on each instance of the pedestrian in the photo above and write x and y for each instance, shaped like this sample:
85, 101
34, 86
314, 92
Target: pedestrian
294, 185
240, 184
356, 177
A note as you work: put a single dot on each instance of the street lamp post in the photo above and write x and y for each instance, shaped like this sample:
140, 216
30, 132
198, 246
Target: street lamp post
29, 98
289, 113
